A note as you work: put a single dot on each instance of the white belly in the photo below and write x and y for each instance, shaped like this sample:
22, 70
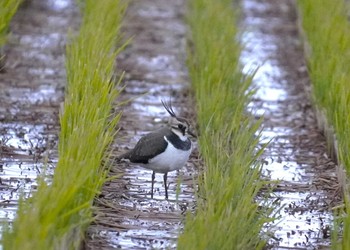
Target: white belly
171, 159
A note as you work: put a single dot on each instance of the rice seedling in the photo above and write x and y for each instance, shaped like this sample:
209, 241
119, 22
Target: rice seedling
56, 216
327, 31
7, 9
227, 215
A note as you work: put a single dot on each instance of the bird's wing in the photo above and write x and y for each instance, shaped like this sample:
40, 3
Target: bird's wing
149, 146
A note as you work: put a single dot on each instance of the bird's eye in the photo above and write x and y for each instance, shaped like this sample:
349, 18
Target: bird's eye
182, 127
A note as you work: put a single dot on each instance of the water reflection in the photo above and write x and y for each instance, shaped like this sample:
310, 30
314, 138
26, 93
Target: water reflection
59, 5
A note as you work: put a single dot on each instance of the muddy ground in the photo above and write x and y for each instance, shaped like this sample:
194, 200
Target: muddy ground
32, 88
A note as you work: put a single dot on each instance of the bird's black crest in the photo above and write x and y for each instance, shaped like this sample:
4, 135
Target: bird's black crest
169, 108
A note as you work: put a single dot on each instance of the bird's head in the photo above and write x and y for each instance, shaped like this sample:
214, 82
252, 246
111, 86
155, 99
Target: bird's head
179, 125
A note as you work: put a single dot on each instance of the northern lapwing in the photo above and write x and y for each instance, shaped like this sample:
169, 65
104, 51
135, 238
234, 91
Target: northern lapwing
164, 150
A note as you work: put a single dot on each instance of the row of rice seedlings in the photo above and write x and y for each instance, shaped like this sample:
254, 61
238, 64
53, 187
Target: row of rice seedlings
7, 9
58, 213
227, 215
327, 31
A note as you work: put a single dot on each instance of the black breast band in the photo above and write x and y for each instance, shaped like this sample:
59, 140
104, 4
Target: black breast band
178, 143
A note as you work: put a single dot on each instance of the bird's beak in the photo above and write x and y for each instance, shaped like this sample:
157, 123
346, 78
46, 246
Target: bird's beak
191, 133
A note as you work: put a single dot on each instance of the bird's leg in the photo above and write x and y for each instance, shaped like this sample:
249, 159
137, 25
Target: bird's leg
165, 185
153, 177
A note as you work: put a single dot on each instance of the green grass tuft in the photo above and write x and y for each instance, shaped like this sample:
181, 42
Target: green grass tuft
58, 213
227, 215
327, 31
7, 9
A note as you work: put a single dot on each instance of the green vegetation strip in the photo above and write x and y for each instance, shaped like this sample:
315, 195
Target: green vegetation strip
58, 213
7, 9
227, 215
327, 31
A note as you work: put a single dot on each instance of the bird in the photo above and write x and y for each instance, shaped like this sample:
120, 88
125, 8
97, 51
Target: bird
164, 150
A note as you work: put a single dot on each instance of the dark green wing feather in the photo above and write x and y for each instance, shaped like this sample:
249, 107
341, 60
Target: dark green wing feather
148, 147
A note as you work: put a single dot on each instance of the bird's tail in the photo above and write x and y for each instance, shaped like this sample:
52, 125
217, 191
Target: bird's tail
122, 157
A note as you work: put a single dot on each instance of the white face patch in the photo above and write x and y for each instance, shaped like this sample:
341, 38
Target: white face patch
179, 134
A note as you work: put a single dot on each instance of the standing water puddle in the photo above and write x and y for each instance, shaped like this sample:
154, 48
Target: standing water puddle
297, 154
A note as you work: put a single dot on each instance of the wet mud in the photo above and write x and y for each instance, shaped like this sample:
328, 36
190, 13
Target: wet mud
32, 88
297, 154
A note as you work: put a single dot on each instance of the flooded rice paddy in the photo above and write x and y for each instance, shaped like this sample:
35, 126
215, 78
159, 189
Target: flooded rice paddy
32, 89
296, 155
